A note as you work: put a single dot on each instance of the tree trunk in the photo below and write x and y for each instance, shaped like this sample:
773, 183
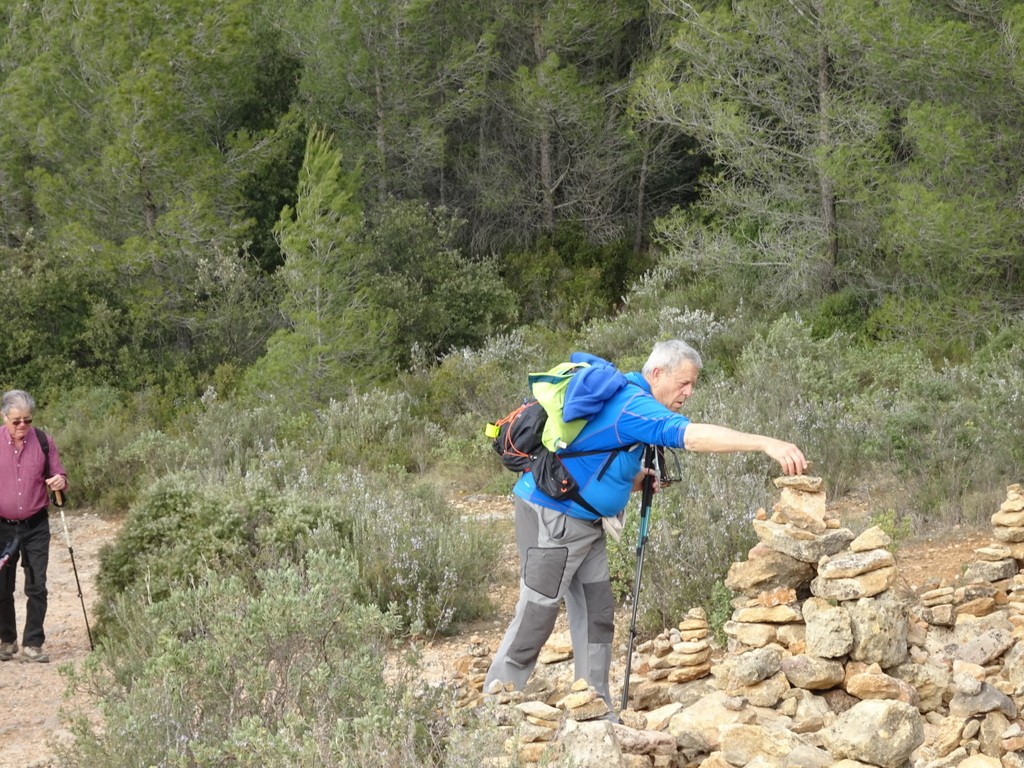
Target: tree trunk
149, 210
638, 232
828, 196
544, 136
382, 186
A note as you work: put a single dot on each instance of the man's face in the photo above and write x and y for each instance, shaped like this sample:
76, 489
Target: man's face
18, 422
673, 387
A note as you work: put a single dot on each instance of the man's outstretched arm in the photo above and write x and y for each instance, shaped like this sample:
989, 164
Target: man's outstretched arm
711, 438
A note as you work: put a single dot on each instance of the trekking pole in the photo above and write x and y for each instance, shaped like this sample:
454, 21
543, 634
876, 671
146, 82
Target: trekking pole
650, 462
71, 550
10, 549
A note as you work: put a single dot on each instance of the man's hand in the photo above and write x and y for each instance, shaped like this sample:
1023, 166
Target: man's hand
56, 483
638, 481
790, 458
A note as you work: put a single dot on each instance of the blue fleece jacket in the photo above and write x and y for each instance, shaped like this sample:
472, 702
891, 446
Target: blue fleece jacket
631, 417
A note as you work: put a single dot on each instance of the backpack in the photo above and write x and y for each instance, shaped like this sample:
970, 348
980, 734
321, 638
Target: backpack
532, 438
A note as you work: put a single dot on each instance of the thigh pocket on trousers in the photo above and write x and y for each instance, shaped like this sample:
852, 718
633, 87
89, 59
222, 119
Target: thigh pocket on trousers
544, 569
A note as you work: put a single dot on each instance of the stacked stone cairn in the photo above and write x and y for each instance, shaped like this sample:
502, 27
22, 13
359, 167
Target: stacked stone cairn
470, 671
675, 657
828, 663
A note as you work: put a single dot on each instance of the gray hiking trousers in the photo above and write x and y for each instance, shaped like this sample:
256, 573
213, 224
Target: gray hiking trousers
560, 558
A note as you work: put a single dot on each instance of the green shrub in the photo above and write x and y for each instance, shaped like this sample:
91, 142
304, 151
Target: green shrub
949, 435
622, 555
566, 279
895, 526
377, 430
178, 529
467, 459
415, 555
289, 672
472, 387
628, 338
787, 362
698, 528
438, 297
230, 440
484, 382
844, 312
719, 609
795, 387
950, 326
111, 450
107, 446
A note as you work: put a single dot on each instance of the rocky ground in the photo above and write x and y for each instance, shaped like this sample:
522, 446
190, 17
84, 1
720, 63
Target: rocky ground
34, 696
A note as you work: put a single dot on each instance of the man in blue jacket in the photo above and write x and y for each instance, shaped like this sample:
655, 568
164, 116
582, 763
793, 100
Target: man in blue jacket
561, 544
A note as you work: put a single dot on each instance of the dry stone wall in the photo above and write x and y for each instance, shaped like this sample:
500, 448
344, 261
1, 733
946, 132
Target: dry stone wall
826, 664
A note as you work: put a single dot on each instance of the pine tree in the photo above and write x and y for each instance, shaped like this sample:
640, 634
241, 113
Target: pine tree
335, 336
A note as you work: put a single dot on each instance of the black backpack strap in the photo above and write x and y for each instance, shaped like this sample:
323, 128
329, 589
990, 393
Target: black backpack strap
606, 463
585, 504
44, 443
612, 452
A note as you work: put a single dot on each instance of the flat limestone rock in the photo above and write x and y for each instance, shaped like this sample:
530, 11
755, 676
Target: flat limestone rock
812, 673
751, 635
540, 710
804, 510
855, 735
1014, 499
779, 614
768, 569
800, 544
800, 482
994, 552
593, 710
688, 674
872, 538
866, 585
875, 684
1009, 518
991, 570
850, 564
1009, 534
578, 699
774, 597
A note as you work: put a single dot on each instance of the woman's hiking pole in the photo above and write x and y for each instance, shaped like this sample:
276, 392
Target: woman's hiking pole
71, 550
650, 462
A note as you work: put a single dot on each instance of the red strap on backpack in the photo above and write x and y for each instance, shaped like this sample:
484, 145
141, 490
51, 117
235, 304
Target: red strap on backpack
507, 445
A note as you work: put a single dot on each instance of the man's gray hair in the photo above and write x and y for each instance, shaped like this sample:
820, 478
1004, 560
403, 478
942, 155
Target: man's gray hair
668, 355
17, 398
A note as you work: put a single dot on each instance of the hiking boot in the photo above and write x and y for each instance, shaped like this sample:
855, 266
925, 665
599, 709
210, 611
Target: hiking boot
7, 651
32, 653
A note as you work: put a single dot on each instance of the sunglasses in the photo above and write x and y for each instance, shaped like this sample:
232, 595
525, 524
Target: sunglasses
18, 422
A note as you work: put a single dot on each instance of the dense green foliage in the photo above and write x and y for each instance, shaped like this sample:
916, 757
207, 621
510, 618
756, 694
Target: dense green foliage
288, 670
269, 266
165, 170
864, 147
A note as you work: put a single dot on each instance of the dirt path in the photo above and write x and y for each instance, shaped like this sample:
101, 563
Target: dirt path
33, 693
